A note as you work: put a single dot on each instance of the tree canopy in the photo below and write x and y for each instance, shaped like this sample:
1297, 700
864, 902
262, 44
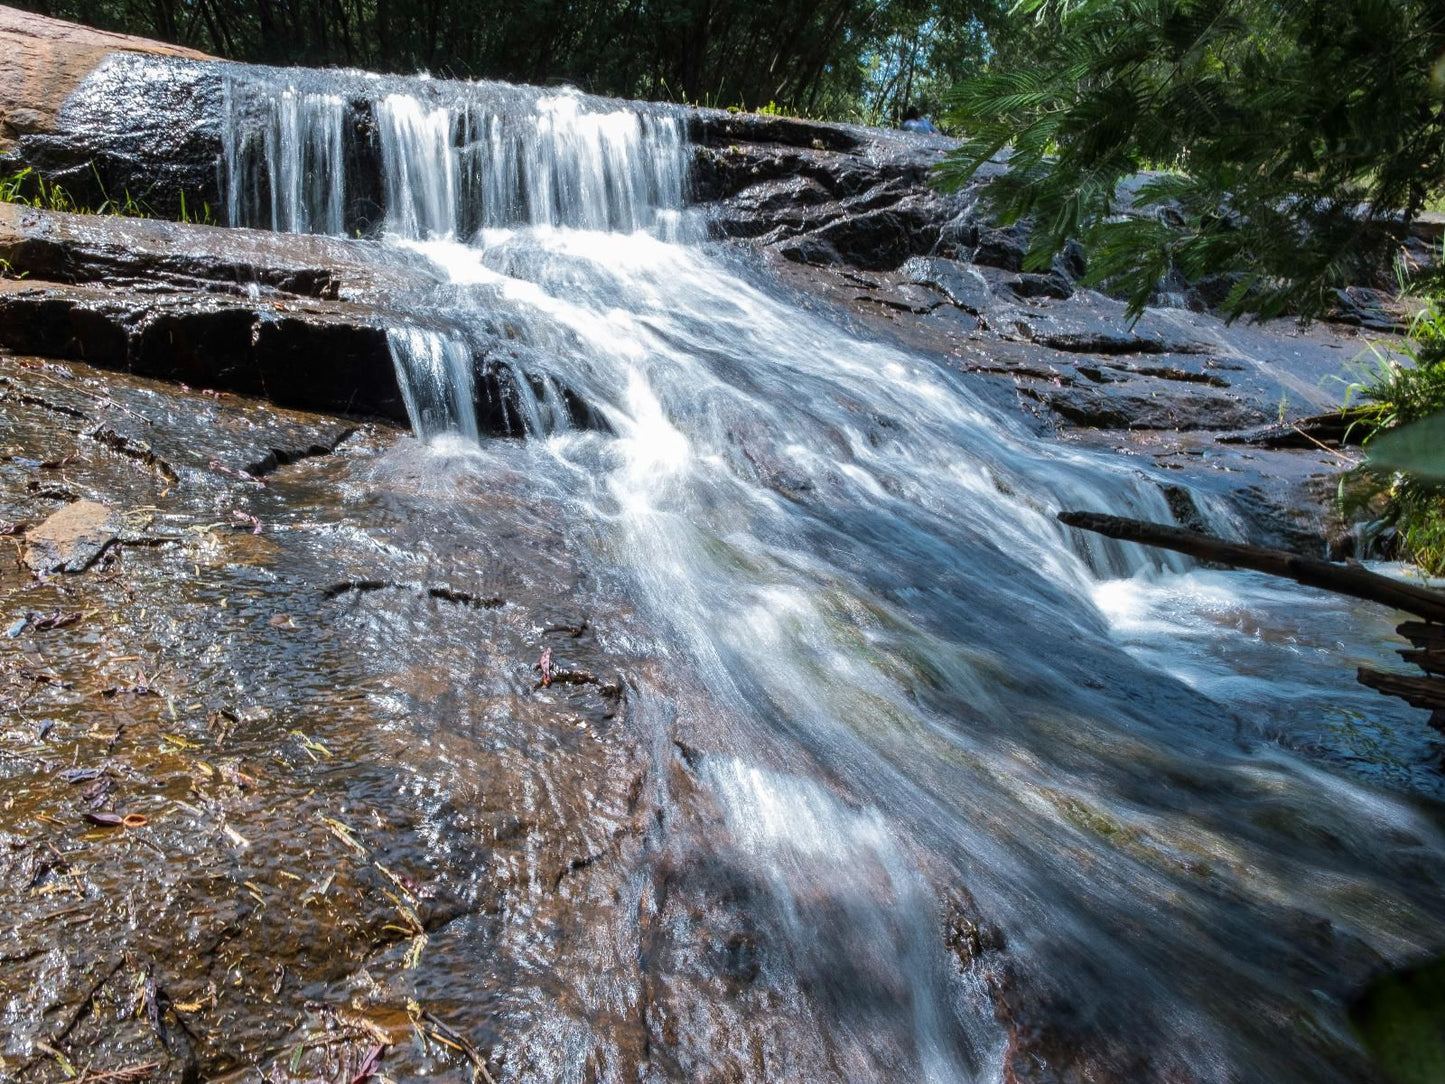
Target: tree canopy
861, 60
1287, 141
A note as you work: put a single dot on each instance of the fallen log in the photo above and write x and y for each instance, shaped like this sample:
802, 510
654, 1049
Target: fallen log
1432, 662
1423, 635
1421, 692
1350, 580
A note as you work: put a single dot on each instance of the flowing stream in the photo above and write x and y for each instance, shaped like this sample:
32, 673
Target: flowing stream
979, 774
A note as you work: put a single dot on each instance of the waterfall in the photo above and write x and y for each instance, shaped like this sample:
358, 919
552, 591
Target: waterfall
894, 678
286, 170
452, 160
436, 379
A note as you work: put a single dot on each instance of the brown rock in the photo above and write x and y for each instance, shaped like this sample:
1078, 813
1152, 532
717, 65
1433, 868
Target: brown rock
45, 59
71, 539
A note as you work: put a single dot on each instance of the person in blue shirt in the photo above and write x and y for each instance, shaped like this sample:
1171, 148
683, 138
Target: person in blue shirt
912, 122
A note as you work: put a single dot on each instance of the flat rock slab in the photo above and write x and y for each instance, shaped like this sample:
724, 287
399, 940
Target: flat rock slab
71, 539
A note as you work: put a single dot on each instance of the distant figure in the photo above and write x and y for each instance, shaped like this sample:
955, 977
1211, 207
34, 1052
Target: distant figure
912, 122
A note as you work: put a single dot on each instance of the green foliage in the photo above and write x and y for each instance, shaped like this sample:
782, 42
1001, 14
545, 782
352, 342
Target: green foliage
843, 59
1401, 403
32, 190
1300, 137
1393, 387
203, 217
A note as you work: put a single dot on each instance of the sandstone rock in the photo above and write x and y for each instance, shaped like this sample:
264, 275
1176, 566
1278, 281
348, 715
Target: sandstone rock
71, 539
46, 59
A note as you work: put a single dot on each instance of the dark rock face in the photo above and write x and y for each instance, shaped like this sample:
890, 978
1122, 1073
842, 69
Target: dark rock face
138, 128
326, 357
235, 310
821, 194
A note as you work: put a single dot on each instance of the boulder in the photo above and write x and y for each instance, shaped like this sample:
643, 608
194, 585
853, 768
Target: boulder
47, 59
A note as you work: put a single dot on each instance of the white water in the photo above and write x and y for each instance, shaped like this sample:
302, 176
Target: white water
901, 677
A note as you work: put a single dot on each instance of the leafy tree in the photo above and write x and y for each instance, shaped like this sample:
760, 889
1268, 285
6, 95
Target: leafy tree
810, 56
1287, 141
917, 51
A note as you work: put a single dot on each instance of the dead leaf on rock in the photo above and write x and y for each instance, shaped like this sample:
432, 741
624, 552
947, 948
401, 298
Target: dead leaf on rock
72, 538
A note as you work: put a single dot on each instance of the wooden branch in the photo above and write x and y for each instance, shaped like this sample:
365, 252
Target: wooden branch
1422, 635
1432, 662
1350, 580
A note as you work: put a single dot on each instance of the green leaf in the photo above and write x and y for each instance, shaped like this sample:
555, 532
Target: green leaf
1417, 448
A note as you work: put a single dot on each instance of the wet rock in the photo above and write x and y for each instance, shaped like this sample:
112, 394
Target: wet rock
46, 59
788, 204
1033, 285
1001, 248
324, 355
956, 281
1147, 404
880, 240
140, 127
71, 539
1087, 322
155, 255
1368, 308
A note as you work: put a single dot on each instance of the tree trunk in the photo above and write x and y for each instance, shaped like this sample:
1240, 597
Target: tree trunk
1342, 579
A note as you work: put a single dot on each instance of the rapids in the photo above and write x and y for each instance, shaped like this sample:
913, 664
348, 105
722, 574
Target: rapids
957, 772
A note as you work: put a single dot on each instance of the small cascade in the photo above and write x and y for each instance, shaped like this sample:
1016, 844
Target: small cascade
284, 169
436, 378
450, 386
451, 158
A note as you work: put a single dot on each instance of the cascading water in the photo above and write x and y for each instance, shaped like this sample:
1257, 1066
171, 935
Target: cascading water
898, 681
468, 157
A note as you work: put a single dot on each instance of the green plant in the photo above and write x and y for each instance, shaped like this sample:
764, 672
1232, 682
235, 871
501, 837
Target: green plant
1302, 137
204, 217
32, 190
1399, 398
126, 206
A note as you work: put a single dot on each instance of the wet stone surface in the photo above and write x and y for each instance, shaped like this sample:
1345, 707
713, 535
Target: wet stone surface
330, 815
